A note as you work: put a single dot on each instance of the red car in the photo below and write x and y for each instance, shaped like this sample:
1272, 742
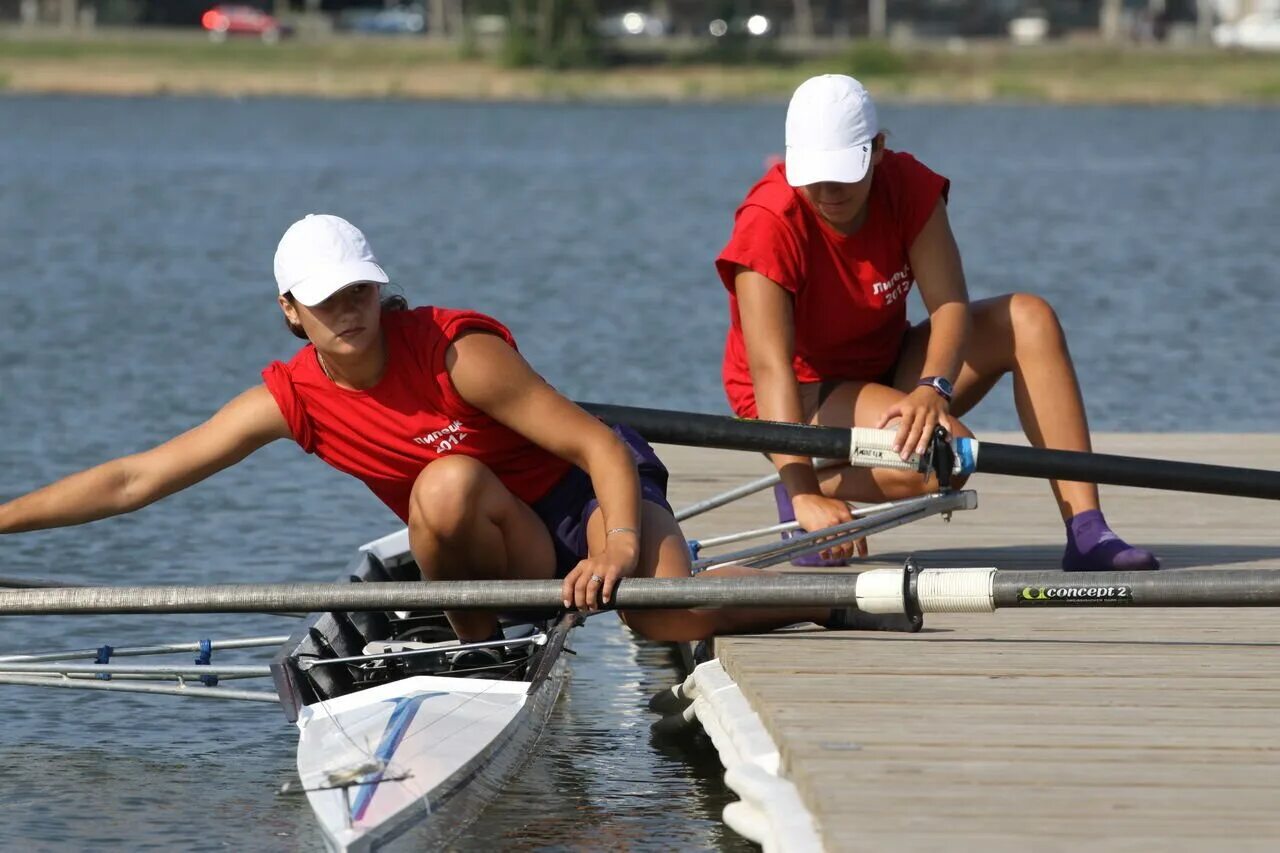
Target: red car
227, 20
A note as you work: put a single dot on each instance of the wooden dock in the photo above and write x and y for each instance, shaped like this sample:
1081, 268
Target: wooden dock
1065, 729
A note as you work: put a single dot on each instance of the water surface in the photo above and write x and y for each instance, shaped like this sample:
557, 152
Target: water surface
138, 296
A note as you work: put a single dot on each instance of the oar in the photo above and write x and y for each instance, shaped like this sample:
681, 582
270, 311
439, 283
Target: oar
876, 591
45, 583
7, 582
870, 448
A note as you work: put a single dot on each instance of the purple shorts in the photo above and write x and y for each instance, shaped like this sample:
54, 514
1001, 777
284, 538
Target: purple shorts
566, 508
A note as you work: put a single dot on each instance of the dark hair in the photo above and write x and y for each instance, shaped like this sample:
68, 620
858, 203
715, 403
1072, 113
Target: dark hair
392, 302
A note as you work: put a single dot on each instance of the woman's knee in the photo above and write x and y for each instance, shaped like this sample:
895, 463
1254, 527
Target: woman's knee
446, 494
1032, 319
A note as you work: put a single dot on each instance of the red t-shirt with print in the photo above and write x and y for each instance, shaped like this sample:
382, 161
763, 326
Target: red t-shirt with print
385, 435
849, 292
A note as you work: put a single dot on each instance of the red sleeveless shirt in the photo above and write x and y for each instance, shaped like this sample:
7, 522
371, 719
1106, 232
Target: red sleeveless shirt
385, 435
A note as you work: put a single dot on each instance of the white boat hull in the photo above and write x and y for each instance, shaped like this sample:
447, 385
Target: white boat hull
415, 760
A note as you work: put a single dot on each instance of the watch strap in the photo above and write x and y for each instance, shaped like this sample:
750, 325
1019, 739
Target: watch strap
939, 384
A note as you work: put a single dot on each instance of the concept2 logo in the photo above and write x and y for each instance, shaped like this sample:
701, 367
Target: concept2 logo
1075, 595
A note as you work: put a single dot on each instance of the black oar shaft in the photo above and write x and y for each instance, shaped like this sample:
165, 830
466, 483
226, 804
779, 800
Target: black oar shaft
1128, 471
1185, 588
698, 430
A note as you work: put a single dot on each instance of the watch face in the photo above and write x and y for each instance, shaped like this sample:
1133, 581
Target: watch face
943, 385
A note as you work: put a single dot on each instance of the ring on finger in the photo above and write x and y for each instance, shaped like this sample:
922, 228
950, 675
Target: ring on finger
596, 579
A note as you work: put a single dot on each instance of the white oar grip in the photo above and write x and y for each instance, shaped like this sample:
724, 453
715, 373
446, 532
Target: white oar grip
880, 591
936, 591
873, 448
955, 590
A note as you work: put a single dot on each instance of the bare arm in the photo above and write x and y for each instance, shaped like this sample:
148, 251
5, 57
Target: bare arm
493, 377
935, 260
131, 482
768, 330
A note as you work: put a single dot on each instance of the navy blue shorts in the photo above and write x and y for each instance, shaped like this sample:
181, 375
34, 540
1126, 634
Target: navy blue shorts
566, 508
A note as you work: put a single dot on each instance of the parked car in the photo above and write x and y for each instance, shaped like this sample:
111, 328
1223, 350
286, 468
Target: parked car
1258, 31
230, 20
398, 20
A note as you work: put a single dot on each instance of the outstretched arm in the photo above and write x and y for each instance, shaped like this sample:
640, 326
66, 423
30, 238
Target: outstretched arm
131, 482
493, 377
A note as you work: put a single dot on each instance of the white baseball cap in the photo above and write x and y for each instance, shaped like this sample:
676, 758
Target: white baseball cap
831, 123
320, 255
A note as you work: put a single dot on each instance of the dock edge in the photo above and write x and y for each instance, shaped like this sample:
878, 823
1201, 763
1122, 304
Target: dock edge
770, 811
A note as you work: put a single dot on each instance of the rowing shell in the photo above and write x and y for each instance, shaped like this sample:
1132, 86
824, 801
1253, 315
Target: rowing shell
396, 745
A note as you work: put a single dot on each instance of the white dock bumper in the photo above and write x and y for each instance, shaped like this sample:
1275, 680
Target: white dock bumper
770, 811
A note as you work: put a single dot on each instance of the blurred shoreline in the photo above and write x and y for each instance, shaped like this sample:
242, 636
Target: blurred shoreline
134, 62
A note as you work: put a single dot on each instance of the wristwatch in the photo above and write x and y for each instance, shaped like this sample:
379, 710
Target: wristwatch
941, 384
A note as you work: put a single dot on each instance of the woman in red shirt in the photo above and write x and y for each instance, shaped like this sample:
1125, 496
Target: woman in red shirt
495, 473
824, 252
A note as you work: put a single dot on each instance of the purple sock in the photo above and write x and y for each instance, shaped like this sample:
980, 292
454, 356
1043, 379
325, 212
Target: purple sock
1092, 546
787, 513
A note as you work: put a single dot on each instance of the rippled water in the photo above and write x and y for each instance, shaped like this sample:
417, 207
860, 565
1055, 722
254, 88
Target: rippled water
137, 297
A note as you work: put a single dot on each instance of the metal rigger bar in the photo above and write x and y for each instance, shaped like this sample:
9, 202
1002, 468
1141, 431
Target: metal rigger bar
869, 521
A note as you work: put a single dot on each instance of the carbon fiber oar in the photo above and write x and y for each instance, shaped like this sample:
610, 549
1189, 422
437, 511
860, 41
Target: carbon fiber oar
909, 589
873, 448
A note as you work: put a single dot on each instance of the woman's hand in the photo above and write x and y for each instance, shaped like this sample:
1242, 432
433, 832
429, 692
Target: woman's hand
591, 583
817, 512
921, 411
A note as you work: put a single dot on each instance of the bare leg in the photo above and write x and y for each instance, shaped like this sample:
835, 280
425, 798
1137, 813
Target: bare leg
1020, 334
465, 525
861, 404
664, 554
1017, 333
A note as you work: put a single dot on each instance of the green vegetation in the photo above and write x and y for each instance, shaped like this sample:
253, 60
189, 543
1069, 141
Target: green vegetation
534, 62
870, 59
557, 34
1265, 91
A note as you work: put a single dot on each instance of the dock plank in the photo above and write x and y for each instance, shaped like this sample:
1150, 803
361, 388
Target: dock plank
1115, 730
